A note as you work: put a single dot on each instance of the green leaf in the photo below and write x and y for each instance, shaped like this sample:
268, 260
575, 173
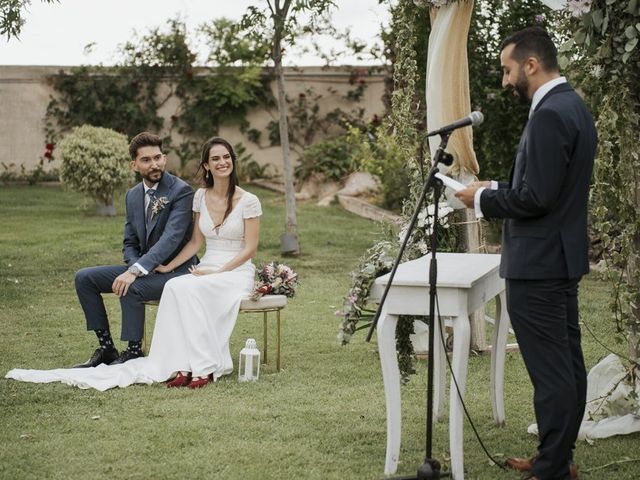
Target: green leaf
633, 5
630, 32
566, 46
597, 17
631, 44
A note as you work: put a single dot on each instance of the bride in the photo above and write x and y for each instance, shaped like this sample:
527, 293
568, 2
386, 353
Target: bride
197, 312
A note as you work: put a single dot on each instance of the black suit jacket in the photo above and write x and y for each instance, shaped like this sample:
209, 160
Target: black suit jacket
168, 231
545, 201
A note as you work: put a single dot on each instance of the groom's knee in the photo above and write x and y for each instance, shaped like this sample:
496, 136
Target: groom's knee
83, 277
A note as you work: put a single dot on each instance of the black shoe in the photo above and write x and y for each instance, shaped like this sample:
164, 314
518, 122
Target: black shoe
125, 356
101, 355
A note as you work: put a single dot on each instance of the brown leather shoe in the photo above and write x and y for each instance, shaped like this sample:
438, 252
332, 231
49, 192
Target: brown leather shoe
520, 464
526, 464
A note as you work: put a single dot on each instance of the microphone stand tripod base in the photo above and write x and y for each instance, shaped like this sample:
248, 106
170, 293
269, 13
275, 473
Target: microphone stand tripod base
429, 469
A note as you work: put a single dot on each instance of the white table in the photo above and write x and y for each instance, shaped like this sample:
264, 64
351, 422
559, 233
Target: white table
465, 283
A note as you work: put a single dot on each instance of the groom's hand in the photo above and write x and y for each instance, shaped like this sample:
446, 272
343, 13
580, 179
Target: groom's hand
121, 283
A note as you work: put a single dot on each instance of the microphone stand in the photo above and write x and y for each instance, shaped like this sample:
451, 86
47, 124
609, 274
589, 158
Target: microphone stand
430, 469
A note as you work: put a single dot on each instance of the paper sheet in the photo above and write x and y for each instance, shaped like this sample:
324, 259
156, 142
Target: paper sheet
450, 182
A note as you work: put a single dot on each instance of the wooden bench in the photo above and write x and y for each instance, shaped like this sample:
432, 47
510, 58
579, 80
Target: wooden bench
264, 305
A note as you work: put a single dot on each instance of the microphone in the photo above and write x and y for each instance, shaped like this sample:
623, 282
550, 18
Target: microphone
475, 119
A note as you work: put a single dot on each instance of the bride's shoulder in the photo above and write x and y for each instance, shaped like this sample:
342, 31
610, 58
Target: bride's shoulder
252, 206
197, 198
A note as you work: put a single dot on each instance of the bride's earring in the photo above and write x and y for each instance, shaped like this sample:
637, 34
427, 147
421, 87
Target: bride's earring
208, 174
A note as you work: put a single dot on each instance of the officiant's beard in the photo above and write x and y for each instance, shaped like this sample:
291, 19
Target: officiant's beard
521, 89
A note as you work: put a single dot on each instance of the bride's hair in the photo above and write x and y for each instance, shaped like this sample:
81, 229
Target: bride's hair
207, 177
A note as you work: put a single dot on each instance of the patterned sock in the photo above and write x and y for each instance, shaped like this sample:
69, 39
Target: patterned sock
135, 347
104, 337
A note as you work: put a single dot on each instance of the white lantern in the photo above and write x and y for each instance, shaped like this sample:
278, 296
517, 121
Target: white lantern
249, 363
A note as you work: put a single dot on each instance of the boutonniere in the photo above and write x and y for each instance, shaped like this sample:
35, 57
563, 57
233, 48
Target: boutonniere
159, 204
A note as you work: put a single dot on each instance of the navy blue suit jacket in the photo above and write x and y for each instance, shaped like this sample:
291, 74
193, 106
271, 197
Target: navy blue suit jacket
168, 231
545, 201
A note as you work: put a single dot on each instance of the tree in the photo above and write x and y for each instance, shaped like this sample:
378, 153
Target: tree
278, 23
12, 16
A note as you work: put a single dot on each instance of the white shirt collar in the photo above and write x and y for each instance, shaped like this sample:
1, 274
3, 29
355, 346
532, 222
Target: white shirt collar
155, 187
543, 90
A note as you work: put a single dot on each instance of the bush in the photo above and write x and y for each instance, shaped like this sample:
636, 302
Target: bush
380, 154
95, 161
332, 158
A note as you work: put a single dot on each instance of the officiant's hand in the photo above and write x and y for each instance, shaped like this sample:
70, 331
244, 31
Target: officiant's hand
201, 271
467, 195
121, 283
163, 269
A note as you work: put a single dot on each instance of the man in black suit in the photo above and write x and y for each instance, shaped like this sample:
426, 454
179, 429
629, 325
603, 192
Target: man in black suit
158, 224
544, 244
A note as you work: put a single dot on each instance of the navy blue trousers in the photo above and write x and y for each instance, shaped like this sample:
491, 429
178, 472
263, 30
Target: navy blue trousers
92, 282
544, 316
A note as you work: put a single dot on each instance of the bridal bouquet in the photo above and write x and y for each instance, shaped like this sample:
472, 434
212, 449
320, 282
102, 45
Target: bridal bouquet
276, 279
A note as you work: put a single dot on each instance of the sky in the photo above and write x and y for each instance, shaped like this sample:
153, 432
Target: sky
56, 34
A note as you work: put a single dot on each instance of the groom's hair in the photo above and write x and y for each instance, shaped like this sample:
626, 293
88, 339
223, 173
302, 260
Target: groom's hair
144, 139
533, 42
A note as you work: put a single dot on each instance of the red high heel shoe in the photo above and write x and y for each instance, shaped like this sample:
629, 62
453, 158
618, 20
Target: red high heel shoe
199, 382
181, 380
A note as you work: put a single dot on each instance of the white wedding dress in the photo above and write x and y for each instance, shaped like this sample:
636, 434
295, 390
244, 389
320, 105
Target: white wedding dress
195, 317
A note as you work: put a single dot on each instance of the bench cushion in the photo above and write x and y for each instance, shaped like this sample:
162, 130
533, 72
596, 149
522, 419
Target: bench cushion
263, 303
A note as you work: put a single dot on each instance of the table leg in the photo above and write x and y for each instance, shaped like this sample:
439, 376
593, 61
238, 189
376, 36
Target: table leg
439, 373
500, 331
386, 333
461, 345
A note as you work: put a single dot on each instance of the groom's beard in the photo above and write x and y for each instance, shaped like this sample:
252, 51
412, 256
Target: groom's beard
154, 176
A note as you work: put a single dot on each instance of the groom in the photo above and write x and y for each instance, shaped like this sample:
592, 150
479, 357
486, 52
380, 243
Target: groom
158, 224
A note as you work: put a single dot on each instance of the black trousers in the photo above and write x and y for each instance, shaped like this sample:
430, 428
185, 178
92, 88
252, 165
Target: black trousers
544, 316
92, 282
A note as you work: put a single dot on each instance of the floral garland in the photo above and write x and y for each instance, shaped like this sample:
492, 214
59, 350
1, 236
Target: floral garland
377, 261
275, 279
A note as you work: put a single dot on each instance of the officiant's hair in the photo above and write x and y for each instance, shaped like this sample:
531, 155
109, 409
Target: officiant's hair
207, 180
533, 42
144, 139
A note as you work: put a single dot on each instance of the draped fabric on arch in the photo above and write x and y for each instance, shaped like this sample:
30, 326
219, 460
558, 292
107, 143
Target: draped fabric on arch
448, 97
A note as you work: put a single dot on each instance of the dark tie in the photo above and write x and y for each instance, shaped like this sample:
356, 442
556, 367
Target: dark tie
152, 201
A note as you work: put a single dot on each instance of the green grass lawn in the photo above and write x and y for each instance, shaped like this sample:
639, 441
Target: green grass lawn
321, 417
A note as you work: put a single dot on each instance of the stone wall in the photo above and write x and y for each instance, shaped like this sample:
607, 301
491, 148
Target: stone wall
25, 93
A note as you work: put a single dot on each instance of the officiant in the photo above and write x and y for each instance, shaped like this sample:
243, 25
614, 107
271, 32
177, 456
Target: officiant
545, 242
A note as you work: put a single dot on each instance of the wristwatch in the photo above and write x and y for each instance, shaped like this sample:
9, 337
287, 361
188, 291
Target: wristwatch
134, 270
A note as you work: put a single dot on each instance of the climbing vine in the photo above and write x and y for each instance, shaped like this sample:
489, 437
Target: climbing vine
603, 54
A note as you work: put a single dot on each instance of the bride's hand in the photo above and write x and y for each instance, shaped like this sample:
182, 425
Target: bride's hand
162, 269
201, 271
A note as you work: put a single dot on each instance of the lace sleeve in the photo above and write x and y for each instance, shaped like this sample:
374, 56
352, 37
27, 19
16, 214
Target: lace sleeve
197, 199
252, 207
